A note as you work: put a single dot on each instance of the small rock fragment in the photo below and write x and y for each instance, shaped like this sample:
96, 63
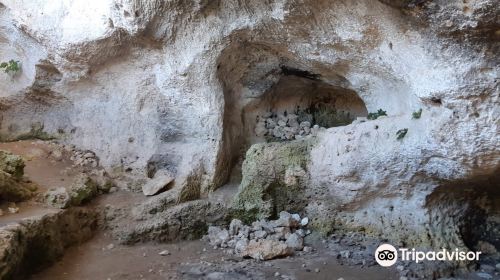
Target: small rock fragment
235, 226
160, 181
164, 253
484, 275
295, 241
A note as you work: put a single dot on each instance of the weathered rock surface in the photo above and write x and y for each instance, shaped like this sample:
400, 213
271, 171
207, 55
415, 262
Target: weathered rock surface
274, 180
266, 249
11, 164
188, 220
12, 186
192, 76
37, 242
81, 190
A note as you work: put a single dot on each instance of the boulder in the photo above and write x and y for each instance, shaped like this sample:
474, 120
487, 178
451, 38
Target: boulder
266, 250
58, 198
159, 182
12, 164
80, 191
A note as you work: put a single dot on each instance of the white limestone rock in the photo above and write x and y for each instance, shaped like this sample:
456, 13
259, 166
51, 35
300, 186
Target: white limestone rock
158, 183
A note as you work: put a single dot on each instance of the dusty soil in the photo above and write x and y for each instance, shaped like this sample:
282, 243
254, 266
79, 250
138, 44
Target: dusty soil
40, 168
102, 258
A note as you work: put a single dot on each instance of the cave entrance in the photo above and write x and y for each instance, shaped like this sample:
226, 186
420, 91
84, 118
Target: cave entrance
468, 213
269, 96
295, 107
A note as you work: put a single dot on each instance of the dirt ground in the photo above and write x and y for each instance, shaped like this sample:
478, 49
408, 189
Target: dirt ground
101, 258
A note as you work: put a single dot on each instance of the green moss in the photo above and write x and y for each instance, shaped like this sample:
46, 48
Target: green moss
323, 227
36, 132
285, 198
11, 164
14, 190
417, 114
263, 192
82, 190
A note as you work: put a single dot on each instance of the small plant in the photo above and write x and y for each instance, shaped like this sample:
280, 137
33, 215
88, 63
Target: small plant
400, 134
329, 117
11, 66
417, 114
376, 115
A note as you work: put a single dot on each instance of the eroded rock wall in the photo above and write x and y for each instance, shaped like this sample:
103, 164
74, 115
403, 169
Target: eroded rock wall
164, 83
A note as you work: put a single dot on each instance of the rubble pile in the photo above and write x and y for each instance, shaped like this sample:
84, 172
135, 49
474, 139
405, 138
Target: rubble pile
284, 126
263, 240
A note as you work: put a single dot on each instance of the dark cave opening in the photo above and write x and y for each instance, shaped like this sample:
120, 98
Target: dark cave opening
468, 212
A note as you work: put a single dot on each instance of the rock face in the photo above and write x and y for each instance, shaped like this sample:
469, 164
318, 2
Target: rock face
177, 85
188, 220
274, 180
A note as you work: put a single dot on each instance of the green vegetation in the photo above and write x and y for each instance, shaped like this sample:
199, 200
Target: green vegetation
400, 134
328, 117
11, 66
376, 115
417, 114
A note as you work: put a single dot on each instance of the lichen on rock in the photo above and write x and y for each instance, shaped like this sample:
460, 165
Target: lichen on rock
274, 177
81, 190
12, 186
12, 164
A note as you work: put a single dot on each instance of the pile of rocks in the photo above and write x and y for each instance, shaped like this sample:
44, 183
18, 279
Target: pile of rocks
263, 240
78, 157
84, 158
284, 126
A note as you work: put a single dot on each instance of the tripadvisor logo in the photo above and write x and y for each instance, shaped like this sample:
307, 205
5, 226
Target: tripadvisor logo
387, 255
